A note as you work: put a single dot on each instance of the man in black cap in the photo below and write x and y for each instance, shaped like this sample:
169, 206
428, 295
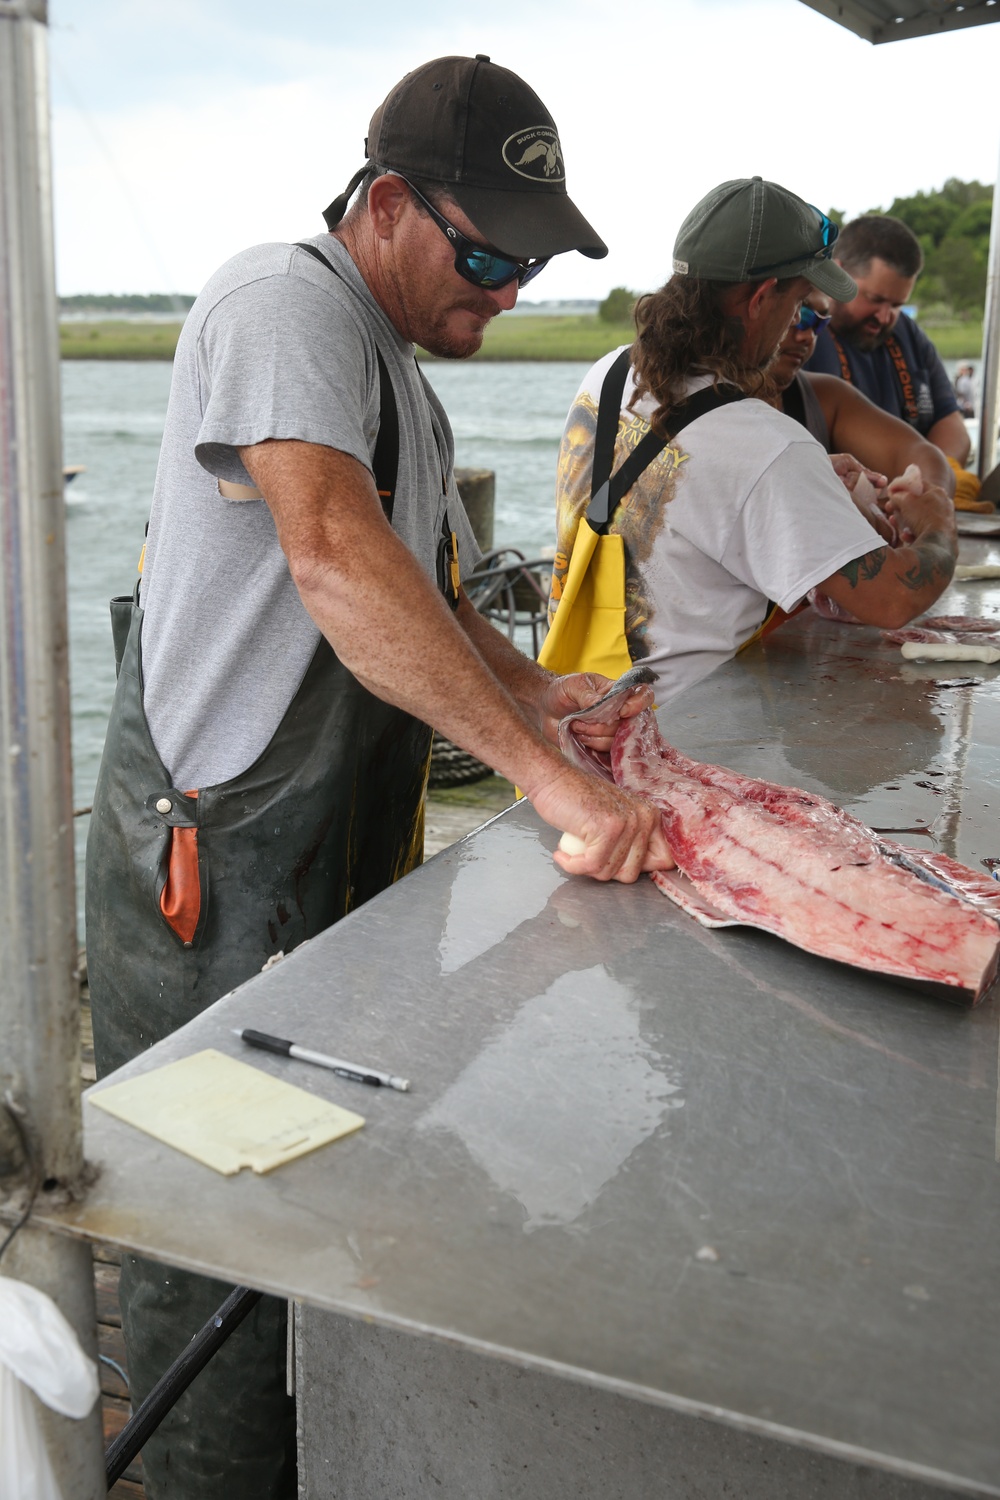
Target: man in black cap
738, 513
302, 623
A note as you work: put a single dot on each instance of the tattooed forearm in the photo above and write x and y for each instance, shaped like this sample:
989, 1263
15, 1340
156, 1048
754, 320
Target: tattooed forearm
864, 569
935, 564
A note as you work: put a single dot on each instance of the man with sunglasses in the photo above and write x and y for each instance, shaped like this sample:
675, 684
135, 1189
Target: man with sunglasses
302, 624
839, 416
874, 345
738, 513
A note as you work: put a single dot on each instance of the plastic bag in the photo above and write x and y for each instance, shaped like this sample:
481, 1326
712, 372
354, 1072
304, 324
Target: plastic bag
38, 1352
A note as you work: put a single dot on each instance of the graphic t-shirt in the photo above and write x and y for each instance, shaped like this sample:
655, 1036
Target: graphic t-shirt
276, 346
741, 509
930, 396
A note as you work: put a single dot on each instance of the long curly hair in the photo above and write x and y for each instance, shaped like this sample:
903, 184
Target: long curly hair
683, 329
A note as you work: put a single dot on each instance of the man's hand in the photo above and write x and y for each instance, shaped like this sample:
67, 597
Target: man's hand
866, 488
565, 695
918, 507
849, 469
890, 587
622, 835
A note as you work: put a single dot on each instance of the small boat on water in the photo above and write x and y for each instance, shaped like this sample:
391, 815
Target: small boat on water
70, 471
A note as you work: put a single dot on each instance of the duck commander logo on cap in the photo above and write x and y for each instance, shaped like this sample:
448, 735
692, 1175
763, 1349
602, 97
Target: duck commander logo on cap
486, 138
535, 153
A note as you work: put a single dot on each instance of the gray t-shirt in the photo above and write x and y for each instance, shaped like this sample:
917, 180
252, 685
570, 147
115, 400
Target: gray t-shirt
276, 346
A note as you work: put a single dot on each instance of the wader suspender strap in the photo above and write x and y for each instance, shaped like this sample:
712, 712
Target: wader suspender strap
608, 489
902, 369
449, 573
385, 462
385, 459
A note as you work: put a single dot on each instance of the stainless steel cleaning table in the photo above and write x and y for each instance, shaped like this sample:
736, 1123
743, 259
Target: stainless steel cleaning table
734, 1202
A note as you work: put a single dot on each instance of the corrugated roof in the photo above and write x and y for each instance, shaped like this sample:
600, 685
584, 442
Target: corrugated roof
896, 20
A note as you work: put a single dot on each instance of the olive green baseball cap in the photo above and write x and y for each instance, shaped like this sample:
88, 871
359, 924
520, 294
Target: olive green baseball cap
749, 230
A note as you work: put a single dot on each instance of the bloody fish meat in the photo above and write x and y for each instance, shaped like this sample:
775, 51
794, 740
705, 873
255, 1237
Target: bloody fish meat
795, 865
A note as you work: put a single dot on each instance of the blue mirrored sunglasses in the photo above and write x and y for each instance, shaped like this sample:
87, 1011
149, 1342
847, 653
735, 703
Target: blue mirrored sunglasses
484, 268
828, 228
810, 321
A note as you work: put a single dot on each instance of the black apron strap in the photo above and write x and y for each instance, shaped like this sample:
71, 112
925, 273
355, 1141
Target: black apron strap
385, 462
608, 413
607, 490
385, 459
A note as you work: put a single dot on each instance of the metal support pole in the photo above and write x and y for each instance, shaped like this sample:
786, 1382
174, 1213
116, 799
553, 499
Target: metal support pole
39, 1005
989, 385
171, 1386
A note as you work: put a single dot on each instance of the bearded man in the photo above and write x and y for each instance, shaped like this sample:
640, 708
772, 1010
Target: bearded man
873, 344
838, 415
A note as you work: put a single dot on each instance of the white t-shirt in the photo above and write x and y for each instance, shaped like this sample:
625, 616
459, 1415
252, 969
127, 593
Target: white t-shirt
276, 346
742, 509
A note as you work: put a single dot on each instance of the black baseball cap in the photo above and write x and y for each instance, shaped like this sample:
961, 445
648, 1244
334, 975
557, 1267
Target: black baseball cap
480, 132
749, 229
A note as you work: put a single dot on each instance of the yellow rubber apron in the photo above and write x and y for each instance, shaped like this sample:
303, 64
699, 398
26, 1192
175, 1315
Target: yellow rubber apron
588, 629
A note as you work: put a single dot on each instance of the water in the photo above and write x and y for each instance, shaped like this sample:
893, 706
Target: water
507, 417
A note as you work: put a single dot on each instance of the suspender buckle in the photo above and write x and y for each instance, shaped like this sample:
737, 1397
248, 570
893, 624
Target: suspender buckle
456, 576
448, 569
597, 513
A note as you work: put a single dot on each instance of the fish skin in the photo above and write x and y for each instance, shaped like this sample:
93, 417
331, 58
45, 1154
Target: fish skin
795, 865
598, 763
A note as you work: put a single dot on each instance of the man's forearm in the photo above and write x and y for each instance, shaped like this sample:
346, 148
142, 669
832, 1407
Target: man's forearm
951, 436
381, 613
889, 587
931, 462
523, 678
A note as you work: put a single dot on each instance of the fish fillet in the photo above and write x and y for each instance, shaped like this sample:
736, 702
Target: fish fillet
948, 630
964, 623
795, 865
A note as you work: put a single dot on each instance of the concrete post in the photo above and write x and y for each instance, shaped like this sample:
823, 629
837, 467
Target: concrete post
39, 1005
477, 488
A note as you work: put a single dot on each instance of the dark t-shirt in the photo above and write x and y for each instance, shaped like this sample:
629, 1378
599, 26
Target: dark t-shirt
875, 374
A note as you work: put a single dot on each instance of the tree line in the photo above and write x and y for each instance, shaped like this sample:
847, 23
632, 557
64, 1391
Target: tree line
952, 224
133, 302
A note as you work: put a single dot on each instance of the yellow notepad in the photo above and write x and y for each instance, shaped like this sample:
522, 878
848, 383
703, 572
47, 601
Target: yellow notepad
225, 1113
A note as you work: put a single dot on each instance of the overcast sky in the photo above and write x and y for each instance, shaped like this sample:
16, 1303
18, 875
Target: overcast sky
185, 130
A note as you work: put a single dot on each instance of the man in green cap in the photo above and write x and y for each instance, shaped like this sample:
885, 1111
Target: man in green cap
302, 626
737, 513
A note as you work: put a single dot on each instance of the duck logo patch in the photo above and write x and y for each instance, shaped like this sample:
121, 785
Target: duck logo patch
536, 154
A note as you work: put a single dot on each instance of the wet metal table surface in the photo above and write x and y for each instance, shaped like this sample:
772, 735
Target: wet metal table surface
700, 1167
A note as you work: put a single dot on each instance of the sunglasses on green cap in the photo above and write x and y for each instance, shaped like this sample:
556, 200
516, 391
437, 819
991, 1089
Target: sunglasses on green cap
824, 250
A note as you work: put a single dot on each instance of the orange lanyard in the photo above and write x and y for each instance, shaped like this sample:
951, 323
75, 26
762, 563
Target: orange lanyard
902, 374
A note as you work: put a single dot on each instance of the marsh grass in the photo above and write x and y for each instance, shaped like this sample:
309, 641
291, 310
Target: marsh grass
529, 338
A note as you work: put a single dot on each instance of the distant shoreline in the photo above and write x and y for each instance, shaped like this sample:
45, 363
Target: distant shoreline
580, 339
